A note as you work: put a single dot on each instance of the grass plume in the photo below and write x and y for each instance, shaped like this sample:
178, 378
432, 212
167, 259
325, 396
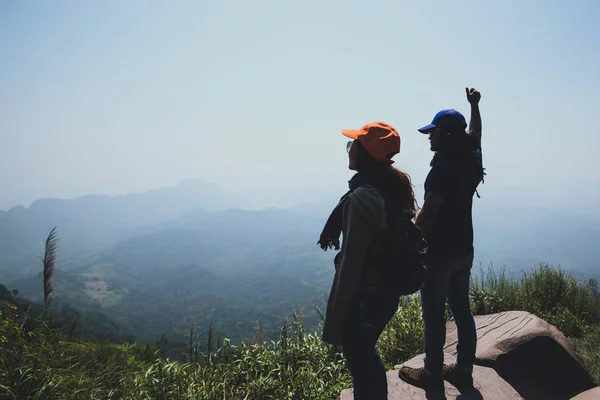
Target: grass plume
49, 262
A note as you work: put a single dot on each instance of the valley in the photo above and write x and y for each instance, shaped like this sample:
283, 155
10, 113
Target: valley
209, 263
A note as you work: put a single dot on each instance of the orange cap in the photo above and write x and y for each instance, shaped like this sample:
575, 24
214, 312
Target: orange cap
381, 140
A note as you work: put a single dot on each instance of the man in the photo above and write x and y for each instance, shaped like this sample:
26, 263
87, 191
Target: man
446, 222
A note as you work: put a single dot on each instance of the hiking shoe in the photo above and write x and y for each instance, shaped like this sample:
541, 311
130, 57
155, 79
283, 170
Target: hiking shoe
461, 380
420, 378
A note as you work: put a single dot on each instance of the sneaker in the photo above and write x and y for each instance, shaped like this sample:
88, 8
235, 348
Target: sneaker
419, 377
461, 380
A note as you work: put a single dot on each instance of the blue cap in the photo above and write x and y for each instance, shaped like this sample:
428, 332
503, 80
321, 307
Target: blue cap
447, 120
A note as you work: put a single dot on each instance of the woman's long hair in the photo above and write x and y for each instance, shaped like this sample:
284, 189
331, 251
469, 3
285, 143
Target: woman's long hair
389, 181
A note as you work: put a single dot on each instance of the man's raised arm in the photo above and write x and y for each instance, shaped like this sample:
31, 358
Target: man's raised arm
473, 96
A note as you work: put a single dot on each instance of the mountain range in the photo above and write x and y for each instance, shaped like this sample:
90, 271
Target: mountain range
194, 254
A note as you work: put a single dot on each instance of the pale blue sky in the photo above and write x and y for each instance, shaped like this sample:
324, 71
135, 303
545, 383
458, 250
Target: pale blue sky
122, 96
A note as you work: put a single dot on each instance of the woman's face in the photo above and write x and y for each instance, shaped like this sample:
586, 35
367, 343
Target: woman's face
352, 154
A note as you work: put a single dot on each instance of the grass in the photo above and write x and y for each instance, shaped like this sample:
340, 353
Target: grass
38, 362
587, 347
558, 298
547, 292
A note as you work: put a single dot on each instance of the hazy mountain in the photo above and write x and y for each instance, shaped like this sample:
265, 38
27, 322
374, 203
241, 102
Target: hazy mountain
90, 223
232, 268
189, 254
520, 237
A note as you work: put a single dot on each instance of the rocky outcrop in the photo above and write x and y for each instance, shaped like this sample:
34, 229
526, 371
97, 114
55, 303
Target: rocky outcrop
592, 394
519, 356
489, 384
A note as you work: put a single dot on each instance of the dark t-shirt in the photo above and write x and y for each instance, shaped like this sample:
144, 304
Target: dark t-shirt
455, 176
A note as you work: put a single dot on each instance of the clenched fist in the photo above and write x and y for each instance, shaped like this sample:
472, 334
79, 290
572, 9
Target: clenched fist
473, 95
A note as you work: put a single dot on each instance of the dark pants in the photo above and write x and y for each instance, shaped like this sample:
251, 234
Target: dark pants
448, 279
368, 316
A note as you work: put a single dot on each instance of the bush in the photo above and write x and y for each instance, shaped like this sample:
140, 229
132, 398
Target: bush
547, 292
587, 347
403, 337
37, 360
41, 364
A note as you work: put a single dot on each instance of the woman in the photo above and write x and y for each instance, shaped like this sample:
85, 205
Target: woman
360, 304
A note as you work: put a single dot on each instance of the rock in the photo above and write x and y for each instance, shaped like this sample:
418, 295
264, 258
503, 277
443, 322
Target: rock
592, 394
500, 333
487, 383
519, 356
533, 356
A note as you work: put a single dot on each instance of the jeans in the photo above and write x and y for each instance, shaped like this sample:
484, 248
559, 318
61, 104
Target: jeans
448, 279
366, 319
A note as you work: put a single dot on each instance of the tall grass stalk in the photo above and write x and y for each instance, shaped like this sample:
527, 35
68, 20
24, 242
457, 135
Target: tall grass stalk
50, 252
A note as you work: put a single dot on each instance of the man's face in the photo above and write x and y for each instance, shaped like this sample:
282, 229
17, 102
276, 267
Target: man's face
435, 138
352, 155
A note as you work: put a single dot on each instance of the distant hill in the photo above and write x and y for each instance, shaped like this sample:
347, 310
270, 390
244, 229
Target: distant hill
88, 324
190, 254
88, 224
230, 268
520, 237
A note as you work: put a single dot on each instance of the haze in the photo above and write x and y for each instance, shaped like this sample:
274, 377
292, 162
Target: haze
119, 97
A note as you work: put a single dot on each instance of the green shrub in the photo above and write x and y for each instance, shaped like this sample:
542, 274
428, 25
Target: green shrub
403, 337
37, 361
587, 347
546, 292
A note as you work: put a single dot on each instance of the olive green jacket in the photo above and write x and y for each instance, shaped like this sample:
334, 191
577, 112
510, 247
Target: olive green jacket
363, 222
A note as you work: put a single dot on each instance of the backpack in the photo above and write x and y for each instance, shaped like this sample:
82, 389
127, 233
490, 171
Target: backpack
401, 266
398, 259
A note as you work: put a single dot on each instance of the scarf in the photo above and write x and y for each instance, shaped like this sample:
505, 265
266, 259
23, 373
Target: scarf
330, 236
